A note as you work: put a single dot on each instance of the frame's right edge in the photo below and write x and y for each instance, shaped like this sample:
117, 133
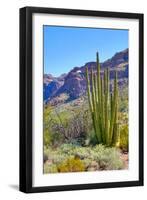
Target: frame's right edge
141, 99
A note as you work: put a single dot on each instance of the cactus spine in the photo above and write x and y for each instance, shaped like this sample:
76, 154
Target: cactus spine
103, 105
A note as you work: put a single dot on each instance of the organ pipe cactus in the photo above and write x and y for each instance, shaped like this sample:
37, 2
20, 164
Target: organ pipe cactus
103, 105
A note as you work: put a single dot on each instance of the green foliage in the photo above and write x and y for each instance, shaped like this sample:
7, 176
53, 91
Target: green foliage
69, 158
50, 168
50, 137
124, 138
108, 158
66, 126
47, 137
71, 165
103, 106
92, 138
123, 99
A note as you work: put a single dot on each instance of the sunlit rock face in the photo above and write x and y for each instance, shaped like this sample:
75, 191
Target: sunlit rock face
73, 84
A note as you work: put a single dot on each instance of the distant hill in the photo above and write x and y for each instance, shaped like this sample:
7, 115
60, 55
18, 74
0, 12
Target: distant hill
73, 84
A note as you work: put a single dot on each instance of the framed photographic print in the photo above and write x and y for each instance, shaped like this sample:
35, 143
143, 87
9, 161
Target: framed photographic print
81, 99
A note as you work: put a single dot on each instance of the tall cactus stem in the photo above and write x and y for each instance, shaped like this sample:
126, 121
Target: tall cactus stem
114, 103
88, 90
103, 105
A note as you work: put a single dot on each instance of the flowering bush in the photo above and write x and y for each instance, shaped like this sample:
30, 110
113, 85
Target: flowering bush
70, 158
71, 165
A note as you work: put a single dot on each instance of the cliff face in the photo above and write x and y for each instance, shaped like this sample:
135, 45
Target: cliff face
73, 84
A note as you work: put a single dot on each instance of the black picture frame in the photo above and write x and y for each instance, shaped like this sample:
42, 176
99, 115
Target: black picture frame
26, 99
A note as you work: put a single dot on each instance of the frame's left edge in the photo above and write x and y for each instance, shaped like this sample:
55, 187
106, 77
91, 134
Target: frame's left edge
25, 100
22, 124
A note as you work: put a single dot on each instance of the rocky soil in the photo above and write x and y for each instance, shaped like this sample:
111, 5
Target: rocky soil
125, 158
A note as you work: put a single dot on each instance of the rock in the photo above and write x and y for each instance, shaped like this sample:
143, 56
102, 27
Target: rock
93, 166
49, 89
74, 83
125, 158
91, 169
49, 162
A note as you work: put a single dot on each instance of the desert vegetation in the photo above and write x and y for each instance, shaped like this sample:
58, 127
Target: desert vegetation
103, 106
89, 133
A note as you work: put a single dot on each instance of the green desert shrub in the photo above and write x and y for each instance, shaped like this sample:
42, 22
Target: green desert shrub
92, 138
66, 125
58, 157
123, 101
47, 139
108, 158
124, 138
71, 165
68, 156
67, 148
47, 133
72, 129
82, 152
52, 168
51, 138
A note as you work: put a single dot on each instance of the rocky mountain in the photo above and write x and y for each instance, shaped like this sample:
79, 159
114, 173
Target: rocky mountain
51, 85
73, 84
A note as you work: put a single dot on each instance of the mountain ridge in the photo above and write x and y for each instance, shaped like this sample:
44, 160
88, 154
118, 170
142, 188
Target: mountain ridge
73, 84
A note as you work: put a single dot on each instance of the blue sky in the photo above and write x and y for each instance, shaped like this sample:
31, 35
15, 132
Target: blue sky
67, 47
